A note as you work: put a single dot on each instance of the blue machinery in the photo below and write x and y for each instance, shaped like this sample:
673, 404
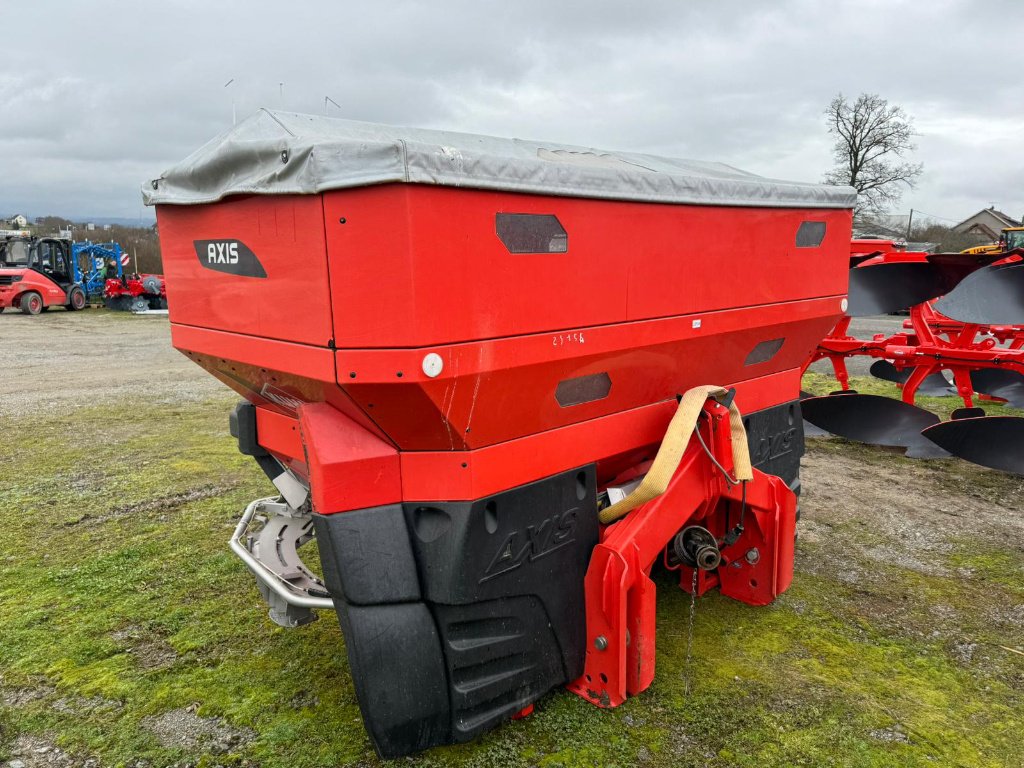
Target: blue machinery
93, 261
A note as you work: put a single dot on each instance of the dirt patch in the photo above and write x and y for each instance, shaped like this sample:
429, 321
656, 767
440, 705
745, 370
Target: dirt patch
16, 698
894, 504
150, 649
19, 697
894, 734
184, 729
897, 528
84, 705
37, 752
153, 506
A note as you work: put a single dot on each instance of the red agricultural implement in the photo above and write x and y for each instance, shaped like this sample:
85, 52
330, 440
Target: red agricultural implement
135, 293
966, 317
498, 382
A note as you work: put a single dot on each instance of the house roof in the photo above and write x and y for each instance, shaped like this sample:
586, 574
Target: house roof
1004, 219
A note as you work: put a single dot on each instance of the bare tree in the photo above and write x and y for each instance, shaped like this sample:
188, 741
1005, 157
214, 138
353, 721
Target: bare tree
872, 138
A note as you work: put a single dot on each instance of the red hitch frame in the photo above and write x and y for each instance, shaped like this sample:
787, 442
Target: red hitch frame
620, 595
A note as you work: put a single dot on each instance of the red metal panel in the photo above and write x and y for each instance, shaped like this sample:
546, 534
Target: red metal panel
465, 475
313, 363
279, 434
276, 375
348, 467
493, 391
451, 279
287, 236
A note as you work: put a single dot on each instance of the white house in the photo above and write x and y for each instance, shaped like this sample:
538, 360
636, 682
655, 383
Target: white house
17, 221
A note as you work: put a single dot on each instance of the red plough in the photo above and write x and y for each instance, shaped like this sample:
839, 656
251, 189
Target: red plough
947, 295
135, 293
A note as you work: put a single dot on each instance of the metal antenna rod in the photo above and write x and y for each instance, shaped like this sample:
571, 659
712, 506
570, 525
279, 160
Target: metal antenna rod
234, 120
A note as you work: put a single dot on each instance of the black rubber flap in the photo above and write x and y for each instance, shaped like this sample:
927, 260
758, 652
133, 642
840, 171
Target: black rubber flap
990, 296
875, 420
935, 385
996, 442
397, 666
776, 440
370, 559
998, 382
459, 614
504, 575
242, 424
884, 288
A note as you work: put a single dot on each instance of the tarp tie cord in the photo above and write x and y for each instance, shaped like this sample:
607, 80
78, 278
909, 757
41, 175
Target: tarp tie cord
674, 444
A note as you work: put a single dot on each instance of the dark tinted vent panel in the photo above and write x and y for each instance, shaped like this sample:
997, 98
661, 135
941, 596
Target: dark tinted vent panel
764, 351
531, 233
810, 234
583, 389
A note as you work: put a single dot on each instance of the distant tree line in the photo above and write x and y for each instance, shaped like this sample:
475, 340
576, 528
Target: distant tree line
946, 239
140, 243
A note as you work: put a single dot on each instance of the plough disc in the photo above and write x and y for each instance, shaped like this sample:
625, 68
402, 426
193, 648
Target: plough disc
990, 296
884, 288
875, 420
936, 385
996, 442
1008, 385
809, 429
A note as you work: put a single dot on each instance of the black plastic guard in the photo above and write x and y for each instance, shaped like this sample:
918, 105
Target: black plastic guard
776, 440
457, 615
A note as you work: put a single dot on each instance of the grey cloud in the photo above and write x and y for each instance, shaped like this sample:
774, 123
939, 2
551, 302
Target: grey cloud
126, 89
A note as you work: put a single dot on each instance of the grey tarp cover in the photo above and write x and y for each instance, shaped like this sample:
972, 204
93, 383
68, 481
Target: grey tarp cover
275, 153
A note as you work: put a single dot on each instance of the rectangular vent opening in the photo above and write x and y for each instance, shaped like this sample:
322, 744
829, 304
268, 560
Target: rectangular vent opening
810, 234
531, 233
583, 389
764, 351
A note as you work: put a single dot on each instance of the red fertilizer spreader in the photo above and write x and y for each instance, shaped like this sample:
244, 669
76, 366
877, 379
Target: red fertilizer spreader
498, 382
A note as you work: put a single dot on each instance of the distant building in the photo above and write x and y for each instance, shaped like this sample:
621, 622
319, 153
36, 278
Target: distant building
17, 221
883, 226
986, 223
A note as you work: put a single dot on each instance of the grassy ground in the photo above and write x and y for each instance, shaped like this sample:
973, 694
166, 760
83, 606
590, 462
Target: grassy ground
129, 635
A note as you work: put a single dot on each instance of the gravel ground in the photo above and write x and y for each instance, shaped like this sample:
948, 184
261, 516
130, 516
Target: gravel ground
104, 357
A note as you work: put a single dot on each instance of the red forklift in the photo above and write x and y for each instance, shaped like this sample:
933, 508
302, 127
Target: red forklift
38, 273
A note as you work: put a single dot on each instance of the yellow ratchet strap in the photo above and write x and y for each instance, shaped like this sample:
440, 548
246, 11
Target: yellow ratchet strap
677, 437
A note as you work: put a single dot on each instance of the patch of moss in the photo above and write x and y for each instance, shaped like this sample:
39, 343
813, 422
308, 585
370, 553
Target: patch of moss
122, 521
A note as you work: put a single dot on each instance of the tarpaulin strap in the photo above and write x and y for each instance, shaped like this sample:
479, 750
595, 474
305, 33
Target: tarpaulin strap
677, 438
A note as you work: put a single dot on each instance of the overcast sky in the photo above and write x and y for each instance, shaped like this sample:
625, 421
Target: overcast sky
97, 97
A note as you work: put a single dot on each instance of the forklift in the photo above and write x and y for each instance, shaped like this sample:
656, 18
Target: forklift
39, 273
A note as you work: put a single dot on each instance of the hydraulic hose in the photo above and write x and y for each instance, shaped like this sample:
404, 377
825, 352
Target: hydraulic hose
673, 445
